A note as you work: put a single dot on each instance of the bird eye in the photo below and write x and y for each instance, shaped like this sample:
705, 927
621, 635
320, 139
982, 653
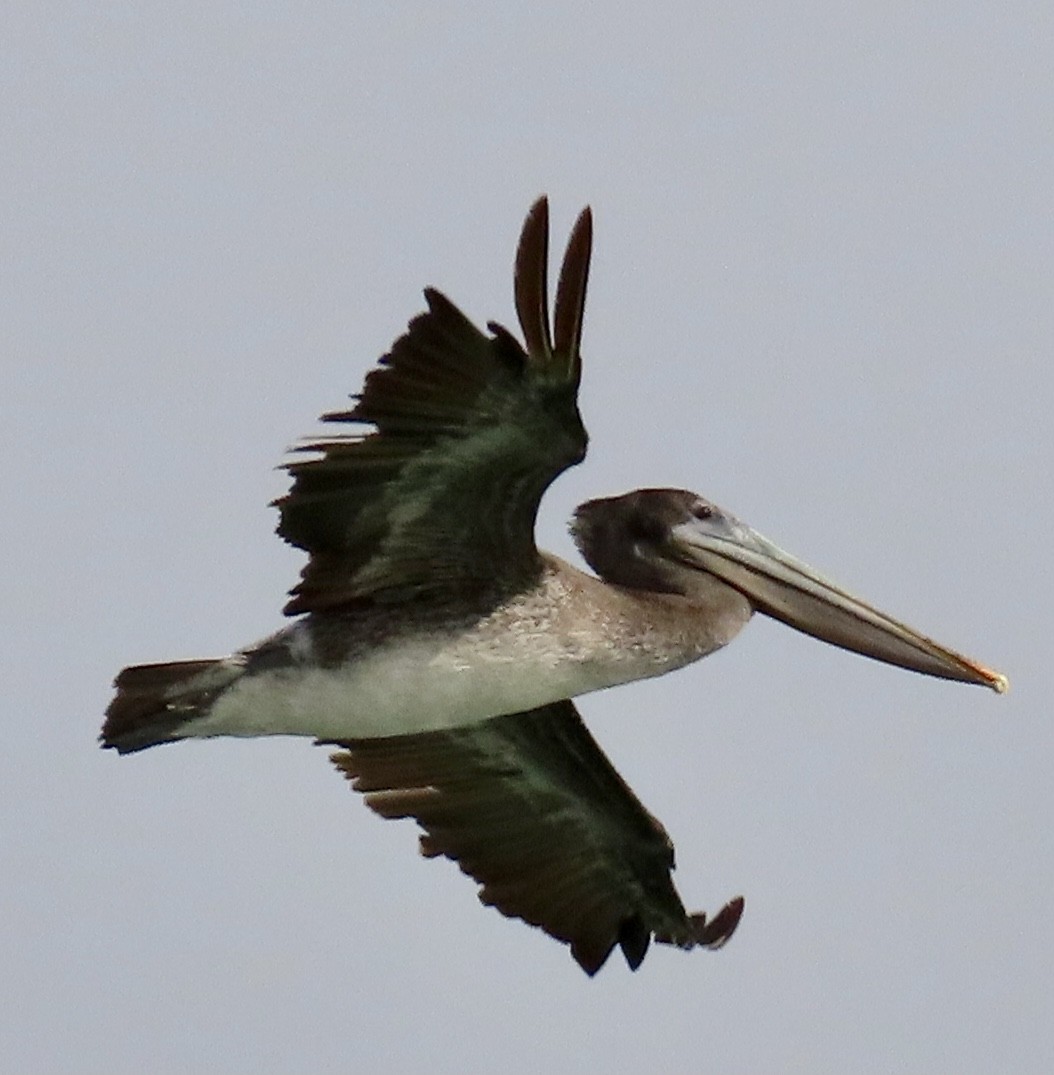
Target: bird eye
703, 511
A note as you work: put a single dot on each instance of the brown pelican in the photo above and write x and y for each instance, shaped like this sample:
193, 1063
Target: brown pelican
440, 648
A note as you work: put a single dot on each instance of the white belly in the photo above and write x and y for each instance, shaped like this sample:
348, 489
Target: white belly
414, 687
518, 658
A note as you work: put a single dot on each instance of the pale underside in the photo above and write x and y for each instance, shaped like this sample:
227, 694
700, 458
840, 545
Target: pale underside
568, 636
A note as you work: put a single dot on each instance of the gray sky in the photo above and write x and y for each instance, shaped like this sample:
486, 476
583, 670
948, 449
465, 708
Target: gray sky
821, 297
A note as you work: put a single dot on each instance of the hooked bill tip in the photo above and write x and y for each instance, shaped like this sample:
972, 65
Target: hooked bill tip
998, 682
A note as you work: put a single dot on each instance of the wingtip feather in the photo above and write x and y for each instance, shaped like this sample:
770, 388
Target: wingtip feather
531, 280
571, 293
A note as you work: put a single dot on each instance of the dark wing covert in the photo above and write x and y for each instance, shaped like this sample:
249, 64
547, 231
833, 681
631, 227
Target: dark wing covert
529, 806
440, 498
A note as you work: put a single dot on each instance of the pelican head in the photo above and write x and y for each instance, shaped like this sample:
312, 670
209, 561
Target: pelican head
676, 542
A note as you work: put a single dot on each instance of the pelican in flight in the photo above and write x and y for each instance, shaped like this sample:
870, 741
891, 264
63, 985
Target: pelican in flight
440, 649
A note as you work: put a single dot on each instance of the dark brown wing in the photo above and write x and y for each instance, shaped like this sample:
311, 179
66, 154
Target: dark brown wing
529, 806
470, 429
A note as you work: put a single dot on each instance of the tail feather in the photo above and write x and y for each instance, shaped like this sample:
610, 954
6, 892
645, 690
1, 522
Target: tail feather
154, 700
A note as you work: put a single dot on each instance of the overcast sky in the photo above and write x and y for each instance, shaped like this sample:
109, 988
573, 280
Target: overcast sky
821, 297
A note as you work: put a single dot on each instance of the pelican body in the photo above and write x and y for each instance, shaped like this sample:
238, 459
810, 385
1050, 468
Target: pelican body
440, 649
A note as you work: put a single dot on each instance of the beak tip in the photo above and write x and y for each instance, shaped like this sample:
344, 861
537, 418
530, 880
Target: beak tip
998, 682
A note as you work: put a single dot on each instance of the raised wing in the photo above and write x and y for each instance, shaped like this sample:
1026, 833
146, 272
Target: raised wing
529, 806
470, 430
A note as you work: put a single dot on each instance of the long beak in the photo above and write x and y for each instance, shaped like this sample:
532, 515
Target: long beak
783, 587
